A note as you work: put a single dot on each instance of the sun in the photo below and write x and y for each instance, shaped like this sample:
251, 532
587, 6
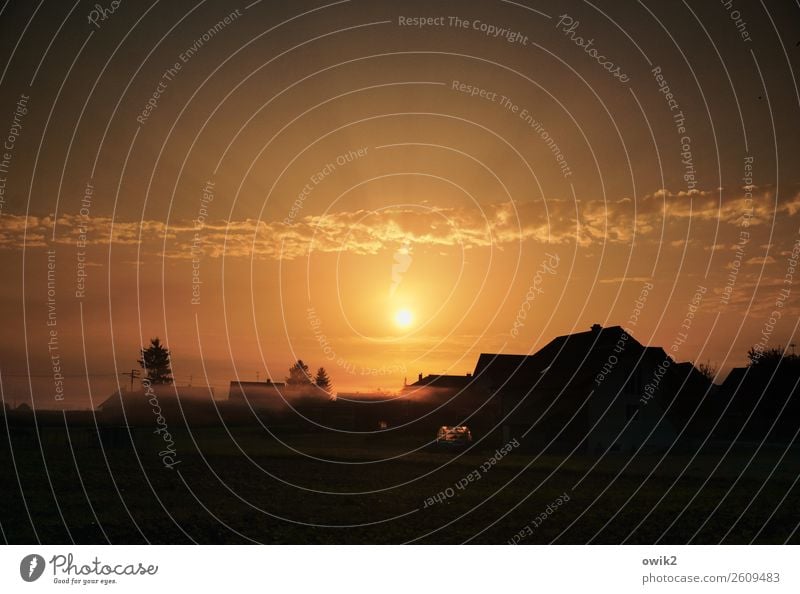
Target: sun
403, 318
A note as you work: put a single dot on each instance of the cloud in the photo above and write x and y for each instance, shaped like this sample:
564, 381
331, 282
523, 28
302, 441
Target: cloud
365, 232
359, 232
726, 205
761, 260
625, 279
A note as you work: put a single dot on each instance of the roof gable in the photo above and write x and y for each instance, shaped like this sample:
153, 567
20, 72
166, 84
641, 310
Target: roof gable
572, 358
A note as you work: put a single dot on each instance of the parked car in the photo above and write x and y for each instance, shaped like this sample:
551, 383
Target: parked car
453, 437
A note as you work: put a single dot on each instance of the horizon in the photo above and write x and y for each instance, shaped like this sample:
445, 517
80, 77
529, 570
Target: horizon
219, 389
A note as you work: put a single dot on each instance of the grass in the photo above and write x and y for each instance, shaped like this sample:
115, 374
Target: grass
362, 492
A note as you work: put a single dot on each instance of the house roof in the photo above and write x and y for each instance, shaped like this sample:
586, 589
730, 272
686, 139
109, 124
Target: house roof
734, 380
443, 381
573, 358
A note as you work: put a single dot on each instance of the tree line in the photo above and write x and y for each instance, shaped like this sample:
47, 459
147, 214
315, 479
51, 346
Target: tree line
155, 361
299, 375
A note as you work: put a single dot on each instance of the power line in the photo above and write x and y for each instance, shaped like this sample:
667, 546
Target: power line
63, 374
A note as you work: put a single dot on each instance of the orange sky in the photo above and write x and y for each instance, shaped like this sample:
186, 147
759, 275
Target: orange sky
333, 140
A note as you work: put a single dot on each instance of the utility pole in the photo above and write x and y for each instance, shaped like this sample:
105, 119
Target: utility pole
134, 373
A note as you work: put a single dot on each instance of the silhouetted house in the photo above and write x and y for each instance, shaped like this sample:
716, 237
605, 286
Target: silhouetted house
593, 391
276, 397
359, 411
439, 389
451, 400
307, 408
175, 403
447, 382
256, 394
761, 402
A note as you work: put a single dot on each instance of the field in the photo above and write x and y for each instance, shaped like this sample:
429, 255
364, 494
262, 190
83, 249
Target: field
323, 488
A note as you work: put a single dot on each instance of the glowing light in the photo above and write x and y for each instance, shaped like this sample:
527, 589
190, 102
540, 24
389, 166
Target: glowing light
403, 318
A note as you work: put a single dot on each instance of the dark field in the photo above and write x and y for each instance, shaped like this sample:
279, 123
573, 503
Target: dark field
261, 491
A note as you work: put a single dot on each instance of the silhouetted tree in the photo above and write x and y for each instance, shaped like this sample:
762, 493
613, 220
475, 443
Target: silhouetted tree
323, 381
156, 362
299, 374
707, 370
771, 358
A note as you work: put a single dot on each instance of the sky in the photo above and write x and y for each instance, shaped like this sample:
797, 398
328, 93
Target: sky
389, 188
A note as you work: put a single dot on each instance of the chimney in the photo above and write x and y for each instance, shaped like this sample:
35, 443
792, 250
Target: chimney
420, 377
596, 327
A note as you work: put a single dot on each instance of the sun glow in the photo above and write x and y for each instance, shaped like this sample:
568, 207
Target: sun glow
403, 318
